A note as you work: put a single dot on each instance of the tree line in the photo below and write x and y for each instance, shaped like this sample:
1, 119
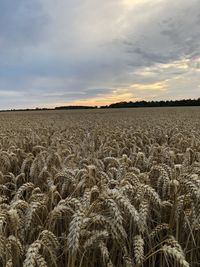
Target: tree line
162, 103
125, 104
141, 104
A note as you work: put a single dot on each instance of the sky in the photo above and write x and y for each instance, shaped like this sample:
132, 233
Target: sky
91, 52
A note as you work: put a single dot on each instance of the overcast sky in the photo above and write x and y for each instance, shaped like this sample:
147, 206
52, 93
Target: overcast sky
93, 52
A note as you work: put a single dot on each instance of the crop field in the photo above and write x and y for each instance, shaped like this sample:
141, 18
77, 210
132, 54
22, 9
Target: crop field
88, 188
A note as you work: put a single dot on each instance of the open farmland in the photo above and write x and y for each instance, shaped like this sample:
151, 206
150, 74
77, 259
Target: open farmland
100, 188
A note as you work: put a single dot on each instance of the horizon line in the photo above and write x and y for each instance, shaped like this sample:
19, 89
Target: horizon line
127, 104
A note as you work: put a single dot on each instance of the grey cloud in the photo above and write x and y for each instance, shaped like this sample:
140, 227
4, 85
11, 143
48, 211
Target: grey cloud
83, 49
71, 94
168, 36
150, 56
21, 22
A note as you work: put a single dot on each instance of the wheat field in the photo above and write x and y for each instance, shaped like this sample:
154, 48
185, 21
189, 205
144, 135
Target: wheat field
100, 188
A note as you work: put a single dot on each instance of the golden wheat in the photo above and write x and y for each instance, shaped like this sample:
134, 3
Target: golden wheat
100, 188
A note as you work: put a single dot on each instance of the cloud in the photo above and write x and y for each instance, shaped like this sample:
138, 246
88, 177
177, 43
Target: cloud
97, 51
21, 23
